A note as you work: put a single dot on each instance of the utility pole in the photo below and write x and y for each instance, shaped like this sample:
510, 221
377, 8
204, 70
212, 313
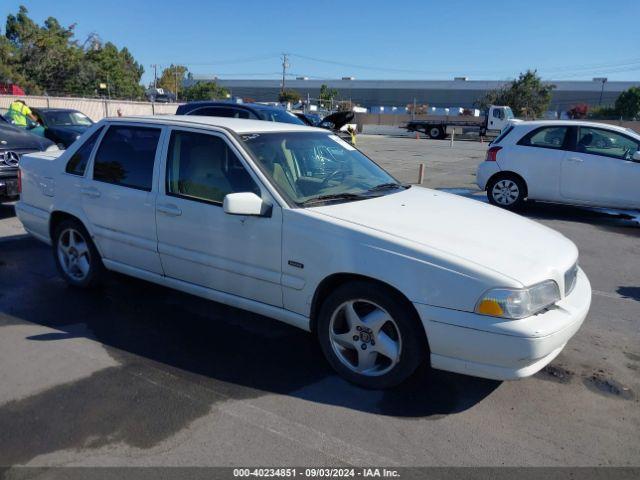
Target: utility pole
155, 75
175, 73
603, 80
285, 65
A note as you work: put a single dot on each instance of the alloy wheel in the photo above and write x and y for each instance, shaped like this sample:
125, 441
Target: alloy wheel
74, 254
365, 338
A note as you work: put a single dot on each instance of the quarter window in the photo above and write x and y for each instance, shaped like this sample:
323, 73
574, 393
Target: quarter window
598, 141
203, 167
78, 161
545, 137
126, 156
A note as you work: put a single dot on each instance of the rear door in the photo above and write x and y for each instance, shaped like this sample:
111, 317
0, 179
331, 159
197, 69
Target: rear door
118, 198
600, 171
537, 157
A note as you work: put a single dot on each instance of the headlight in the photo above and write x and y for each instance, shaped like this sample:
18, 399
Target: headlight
52, 148
517, 303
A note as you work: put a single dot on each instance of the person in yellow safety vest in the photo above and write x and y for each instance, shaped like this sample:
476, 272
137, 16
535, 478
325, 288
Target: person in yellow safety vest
352, 132
19, 112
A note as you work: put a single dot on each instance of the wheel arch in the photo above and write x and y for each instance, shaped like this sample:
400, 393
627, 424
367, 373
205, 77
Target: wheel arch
507, 174
335, 280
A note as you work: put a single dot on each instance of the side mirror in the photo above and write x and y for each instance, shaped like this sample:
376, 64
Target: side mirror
247, 204
636, 156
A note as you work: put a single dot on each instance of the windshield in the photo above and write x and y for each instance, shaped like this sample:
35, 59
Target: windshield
508, 113
282, 116
316, 167
59, 119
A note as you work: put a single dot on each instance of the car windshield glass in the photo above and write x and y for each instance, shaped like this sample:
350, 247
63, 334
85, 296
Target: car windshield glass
508, 113
312, 168
59, 119
283, 116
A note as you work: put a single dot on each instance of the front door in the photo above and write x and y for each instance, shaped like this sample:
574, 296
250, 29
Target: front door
118, 198
600, 170
198, 242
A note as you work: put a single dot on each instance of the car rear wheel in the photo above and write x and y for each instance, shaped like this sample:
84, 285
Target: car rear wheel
76, 256
370, 335
507, 191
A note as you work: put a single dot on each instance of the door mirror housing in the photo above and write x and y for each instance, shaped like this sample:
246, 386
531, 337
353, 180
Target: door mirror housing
246, 204
636, 156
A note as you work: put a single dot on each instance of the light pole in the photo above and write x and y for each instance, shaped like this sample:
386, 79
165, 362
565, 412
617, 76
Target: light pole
603, 80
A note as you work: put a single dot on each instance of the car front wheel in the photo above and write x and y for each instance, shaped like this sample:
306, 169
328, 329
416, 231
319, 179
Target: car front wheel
370, 335
506, 191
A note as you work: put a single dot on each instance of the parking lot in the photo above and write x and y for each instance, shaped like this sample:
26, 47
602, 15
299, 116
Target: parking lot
137, 374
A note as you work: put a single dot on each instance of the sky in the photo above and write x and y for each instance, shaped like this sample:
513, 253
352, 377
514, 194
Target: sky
370, 39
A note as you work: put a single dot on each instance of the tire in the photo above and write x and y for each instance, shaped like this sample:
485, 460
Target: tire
371, 335
75, 255
507, 191
436, 132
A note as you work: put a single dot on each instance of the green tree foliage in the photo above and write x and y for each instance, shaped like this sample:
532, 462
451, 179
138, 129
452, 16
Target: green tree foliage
527, 96
327, 95
289, 96
628, 103
204, 91
169, 75
48, 59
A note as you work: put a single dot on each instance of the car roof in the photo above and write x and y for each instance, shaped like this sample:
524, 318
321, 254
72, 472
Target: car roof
236, 125
573, 123
45, 109
255, 106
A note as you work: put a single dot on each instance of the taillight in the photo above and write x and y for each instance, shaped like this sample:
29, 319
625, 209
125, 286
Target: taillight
492, 154
19, 181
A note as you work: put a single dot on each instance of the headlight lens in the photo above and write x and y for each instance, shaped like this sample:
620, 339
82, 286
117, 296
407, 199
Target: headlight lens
52, 148
517, 303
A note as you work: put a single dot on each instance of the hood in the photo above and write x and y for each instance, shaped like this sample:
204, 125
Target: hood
20, 139
487, 236
338, 119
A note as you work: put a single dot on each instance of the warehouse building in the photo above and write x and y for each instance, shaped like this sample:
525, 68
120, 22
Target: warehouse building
459, 92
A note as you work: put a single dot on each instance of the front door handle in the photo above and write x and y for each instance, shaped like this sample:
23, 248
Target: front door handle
169, 209
575, 159
90, 192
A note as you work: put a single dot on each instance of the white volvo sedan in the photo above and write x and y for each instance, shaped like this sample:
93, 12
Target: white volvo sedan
572, 162
293, 223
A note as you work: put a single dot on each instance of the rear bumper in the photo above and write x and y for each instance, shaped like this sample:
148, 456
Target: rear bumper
485, 171
499, 349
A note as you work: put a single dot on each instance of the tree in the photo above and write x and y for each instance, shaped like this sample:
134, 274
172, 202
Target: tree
327, 95
205, 91
289, 96
527, 96
628, 103
171, 75
118, 69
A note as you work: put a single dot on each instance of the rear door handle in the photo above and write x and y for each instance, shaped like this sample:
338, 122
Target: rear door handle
170, 210
575, 159
90, 192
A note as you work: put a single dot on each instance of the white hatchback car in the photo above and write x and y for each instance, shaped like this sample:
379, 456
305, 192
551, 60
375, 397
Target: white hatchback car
293, 223
572, 162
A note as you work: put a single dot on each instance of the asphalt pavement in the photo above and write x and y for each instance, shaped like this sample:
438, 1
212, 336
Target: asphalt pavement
137, 374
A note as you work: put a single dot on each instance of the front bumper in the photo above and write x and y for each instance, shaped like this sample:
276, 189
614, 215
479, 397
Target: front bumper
502, 349
485, 171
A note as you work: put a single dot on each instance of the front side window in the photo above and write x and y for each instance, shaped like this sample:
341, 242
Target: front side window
126, 156
546, 137
312, 167
203, 167
599, 141
78, 161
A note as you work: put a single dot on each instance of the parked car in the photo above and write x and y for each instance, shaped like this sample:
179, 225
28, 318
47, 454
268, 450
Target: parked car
575, 162
61, 125
251, 111
293, 223
15, 142
334, 122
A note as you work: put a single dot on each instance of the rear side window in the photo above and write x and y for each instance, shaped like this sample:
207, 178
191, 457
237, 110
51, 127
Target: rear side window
126, 156
546, 137
77, 164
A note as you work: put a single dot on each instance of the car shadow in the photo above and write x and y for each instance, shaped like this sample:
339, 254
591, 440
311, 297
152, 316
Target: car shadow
7, 210
217, 344
629, 292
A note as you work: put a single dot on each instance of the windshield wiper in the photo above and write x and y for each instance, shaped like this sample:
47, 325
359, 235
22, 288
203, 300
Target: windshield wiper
387, 186
334, 196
